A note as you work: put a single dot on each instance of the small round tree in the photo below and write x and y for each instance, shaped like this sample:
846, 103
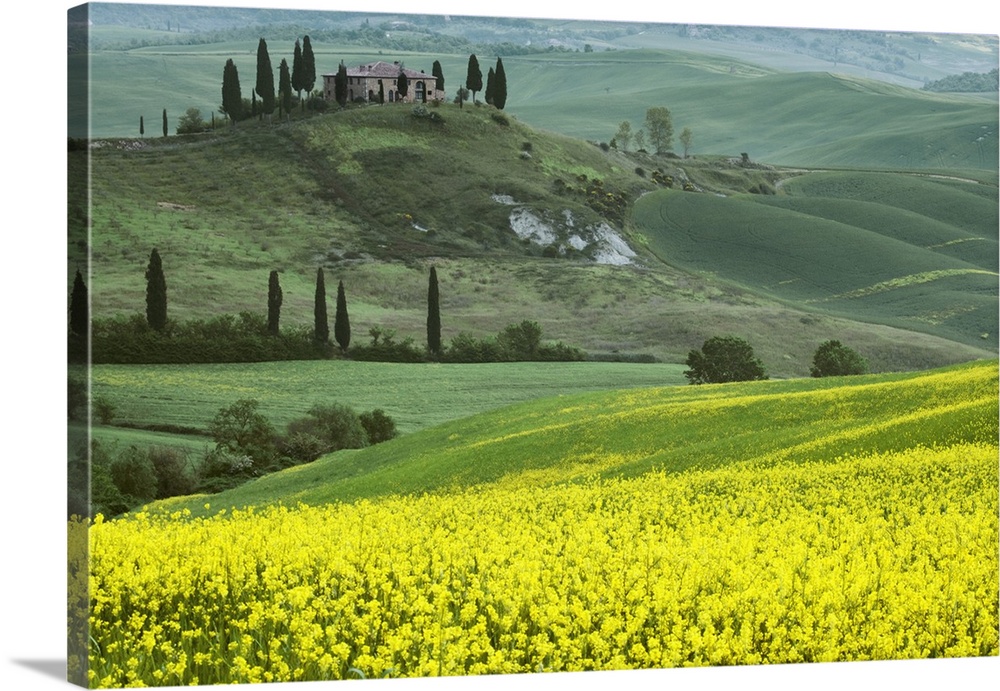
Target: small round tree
833, 359
723, 359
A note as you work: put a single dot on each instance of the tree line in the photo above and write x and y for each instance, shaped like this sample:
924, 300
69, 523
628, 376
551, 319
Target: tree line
254, 337
724, 359
659, 131
246, 446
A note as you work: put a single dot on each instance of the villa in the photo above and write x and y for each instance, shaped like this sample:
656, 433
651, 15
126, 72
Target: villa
363, 83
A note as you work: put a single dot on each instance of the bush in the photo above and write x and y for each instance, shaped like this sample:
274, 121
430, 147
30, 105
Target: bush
833, 359
192, 122
133, 474
520, 341
104, 409
327, 428
723, 359
172, 477
105, 497
378, 426
384, 348
240, 430
221, 470
466, 348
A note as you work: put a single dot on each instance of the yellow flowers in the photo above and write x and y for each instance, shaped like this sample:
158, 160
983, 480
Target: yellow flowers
882, 556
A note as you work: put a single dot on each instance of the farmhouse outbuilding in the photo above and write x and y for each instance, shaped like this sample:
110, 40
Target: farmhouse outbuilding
363, 83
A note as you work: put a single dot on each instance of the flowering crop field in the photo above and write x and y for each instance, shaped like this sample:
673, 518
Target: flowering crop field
878, 554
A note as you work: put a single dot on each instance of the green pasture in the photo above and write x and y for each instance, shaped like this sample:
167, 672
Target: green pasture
630, 432
804, 119
888, 248
416, 396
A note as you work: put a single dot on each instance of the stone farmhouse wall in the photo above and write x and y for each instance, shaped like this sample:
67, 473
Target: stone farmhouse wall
363, 83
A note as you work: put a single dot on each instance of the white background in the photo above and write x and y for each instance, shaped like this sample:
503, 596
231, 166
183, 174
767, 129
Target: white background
32, 319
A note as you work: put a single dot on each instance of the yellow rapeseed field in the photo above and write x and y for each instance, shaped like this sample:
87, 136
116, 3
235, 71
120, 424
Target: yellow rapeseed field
884, 555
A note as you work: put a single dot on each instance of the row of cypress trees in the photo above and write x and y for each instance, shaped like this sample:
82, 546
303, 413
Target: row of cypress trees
342, 320
496, 82
300, 77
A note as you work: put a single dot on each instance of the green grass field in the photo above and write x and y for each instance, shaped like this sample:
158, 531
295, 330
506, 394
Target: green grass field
626, 433
894, 248
415, 396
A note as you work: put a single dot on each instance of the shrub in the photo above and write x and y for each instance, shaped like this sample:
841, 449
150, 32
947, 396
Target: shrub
172, 477
723, 359
133, 474
191, 122
221, 469
240, 430
384, 348
833, 359
327, 428
378, 426
105, 497
104, 409
466, 348
520, 341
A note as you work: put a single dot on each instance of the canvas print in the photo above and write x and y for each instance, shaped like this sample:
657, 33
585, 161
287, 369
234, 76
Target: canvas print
414, 345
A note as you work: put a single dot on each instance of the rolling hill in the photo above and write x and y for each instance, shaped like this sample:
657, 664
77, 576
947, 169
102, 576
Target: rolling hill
906, 247
627, 433
522, 223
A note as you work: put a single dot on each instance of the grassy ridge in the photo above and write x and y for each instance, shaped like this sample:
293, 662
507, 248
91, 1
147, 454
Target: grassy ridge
627, 433
883, 247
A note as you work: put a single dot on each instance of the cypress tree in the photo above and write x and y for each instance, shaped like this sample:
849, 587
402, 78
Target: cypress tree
284, 88
156, 293
165, 122
340, 85
79, 306
474, 77
341, 321
265, 80
232, 95
142, 126
322, 329
500, 86
402, 86
381, 92
438, 75
308, 66
297, 69
490, 79
433, 314
273, 304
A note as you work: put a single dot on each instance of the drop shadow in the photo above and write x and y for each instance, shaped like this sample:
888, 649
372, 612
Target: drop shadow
50, 668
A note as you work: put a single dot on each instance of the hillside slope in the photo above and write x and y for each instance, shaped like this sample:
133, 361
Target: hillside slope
887, 248
793, 119
521, 223
628, 433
